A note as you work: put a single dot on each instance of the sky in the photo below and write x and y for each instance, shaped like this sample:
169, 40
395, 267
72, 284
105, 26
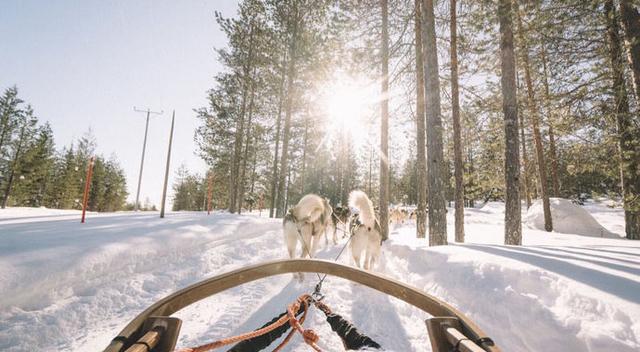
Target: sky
85, 64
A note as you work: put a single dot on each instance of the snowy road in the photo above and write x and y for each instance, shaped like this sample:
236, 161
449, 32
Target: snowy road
66, 286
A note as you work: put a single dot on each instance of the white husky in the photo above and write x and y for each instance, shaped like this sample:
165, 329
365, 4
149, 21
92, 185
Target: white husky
365, 230
305, 223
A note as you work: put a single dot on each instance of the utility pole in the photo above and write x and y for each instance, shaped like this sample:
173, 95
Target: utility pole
166, 172
144, 147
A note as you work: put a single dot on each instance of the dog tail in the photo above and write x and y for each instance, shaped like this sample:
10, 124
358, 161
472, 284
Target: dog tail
360, 201
310, 208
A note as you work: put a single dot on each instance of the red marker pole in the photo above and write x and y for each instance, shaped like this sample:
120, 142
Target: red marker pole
209, 193
87, 184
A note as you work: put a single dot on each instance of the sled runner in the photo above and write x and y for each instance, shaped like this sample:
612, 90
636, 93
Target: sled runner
156, 331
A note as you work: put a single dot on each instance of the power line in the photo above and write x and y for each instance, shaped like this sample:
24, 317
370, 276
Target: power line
144, 147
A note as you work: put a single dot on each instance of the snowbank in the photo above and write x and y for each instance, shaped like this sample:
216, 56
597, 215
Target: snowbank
566, 218
22, 212
72, 287
493, 207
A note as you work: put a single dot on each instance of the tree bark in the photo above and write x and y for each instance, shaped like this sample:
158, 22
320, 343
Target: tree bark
239, 134
304, 154
535, 124
435, 160
254, 167
370, 168
631, 23
421, 164
284, 160
247, 144
384, 124
512, 221
550, 120
627, 139
274, 172
457, 136
526, 186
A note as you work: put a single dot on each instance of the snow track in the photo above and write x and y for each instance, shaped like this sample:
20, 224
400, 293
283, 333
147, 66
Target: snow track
67, 286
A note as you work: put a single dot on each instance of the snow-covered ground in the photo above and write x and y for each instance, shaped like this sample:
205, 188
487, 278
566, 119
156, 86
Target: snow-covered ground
71, 286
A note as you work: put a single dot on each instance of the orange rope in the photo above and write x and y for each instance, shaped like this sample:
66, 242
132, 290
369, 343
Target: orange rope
309, 336
290, 334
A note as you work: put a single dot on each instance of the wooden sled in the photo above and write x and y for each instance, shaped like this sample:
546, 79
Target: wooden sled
155, 330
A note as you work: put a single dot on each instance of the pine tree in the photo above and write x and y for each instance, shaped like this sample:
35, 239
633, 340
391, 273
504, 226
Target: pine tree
435, 160
384, 123
26, 126
630, 19
36, 167
457, 133
9, 112
628, 140
513, 226
421, 164
535, 121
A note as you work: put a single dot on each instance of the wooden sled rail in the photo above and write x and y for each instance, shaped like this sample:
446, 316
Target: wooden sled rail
448, 329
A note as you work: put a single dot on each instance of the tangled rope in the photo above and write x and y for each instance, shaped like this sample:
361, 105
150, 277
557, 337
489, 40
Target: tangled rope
309, 336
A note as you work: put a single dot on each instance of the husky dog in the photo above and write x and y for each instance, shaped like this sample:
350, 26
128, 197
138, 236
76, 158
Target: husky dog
365, 230
306, 222
340, 216
397, 216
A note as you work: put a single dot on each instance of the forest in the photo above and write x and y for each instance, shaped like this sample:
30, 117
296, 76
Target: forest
34, 174
431, 103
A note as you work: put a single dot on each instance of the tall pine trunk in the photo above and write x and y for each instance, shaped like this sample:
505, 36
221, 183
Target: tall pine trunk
550, 120
435, 160
247, 144
274, 168
524, 172
512, 215
535, 124
421, 164
254, 166
282, 198
457, 136
526, 186
239, 133
631, 23
627, 139
384, 123
304, 154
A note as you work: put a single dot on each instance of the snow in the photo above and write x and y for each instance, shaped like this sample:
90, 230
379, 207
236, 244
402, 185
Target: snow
36, 214
566, 217
71, 286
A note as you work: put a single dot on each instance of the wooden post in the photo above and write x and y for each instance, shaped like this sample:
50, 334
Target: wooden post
261, 204
87, 184
166, 172
209, 193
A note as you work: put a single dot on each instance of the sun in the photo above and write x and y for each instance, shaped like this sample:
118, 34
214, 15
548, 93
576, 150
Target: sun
346, 105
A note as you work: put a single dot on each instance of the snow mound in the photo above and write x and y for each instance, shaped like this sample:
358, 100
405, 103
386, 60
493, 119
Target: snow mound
567, 218
493, 207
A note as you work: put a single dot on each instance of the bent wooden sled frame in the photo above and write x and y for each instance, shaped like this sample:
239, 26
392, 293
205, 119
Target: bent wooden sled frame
154, 329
